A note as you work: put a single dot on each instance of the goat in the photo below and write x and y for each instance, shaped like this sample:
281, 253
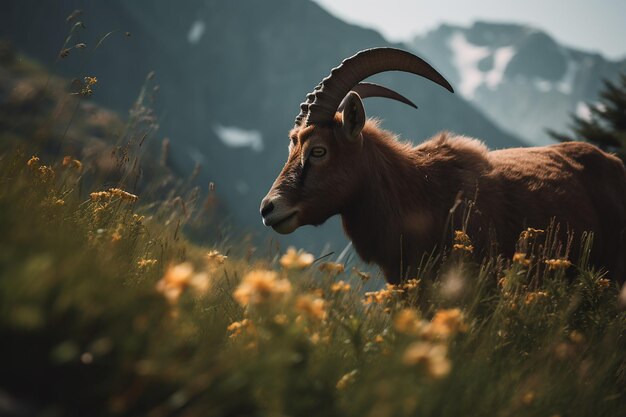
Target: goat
395, 199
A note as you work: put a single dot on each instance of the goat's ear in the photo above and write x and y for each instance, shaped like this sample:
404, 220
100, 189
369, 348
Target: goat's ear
353, 116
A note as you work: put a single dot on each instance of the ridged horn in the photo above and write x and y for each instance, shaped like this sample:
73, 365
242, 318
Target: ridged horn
332, 90
365, 90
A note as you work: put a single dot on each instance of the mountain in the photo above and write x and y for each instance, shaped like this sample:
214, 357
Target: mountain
232, 75
522, 78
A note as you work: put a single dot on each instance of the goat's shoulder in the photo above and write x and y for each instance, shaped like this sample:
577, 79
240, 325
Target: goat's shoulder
461, 151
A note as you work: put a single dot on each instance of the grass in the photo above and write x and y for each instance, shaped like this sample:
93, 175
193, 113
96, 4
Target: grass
107, 309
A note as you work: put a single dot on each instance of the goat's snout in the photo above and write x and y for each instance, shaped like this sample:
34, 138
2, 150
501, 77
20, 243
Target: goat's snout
266, 207
279, 214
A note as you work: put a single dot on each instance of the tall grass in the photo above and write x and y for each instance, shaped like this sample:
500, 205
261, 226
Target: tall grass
106, 309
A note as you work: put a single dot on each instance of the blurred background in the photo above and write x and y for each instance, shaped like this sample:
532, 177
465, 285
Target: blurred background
231, 74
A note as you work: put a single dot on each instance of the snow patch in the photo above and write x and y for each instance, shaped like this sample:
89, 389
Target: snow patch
501, 58
236, 137
566, 85
583, 111
466, 57
196, 31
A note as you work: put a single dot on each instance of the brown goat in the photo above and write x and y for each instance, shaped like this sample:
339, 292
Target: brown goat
395, 199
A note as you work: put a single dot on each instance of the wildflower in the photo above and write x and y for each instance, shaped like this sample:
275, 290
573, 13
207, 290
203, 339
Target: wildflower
91, 80
363, 275
332, 268
463, 248
259, 286
555, 264
379, 339
313, 307
46, 173
604, 283
68, 162
293, 259
237, 327
461, 237
33, 162
144, 263
280, 319
380, 296
346, 380
530, 233
521, 259
200, 282
445, 323
407, 322
176, 278
126, 196
534, 296
411, 284
100, 196
215, 258
432, 356
577, 337
340, 286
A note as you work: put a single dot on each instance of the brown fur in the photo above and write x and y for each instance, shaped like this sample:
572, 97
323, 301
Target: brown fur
395, 199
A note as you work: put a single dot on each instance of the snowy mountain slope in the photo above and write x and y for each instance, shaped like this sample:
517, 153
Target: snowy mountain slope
519, 76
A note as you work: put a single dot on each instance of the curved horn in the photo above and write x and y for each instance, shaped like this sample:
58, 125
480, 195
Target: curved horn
343, 78
365, 90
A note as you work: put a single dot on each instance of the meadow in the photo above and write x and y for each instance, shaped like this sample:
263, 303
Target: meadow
107, 308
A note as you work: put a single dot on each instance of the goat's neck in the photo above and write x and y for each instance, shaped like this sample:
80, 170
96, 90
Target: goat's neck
392, 190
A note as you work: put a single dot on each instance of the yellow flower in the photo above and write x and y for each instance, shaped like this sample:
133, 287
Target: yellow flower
293, 259
411, 284
462, 238
346, 380
312, 306
215, 258
521, 259
33, 162
463, 248
68, 161
144, 263
100, 196
530, 233
340, 286
445, 323
91, 80
332, 268
123, 195
259, 286
431, 356
554, 264
407, 321
534, 296
175, 280
380, 296
46, 173
237, 327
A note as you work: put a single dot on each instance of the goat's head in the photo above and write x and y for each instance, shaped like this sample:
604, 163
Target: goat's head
321, 174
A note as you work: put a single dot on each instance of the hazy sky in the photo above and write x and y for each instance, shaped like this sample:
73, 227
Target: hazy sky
598, 25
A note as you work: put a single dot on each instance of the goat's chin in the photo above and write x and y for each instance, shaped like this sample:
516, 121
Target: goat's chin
287, 226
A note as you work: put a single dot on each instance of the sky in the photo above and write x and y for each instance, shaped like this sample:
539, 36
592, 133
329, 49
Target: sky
598, 25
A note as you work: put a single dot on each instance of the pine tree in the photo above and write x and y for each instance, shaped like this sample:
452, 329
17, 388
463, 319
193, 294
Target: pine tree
606, 125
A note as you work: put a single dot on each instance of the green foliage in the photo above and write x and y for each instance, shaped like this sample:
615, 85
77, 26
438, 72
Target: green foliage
606, 126
92, 325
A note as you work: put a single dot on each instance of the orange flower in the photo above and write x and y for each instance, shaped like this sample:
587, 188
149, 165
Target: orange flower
332, 268
260, 286
293, 259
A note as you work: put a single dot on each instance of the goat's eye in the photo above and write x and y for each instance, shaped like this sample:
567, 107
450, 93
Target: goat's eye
318, 152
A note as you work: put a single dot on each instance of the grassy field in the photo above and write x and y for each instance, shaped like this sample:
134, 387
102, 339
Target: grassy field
106, 309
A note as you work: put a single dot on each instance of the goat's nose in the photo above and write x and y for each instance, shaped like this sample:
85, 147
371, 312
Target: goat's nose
266, 208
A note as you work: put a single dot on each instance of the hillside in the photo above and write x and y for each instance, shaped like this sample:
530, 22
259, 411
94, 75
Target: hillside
522, 78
